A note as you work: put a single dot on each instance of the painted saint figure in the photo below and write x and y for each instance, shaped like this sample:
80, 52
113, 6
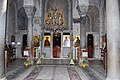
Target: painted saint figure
66, 42
46, 42
77, 43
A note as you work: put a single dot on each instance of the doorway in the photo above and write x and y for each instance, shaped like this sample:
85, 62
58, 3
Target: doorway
56, 45
24, 45
90, 45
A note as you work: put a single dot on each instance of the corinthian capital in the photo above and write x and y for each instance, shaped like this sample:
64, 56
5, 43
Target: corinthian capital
82, 7
30, 10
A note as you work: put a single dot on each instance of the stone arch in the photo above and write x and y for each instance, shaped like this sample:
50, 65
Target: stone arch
22, 19
93, 14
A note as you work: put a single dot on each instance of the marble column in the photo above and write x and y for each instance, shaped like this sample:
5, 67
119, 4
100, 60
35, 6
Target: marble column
71, 41
30, 32
113, 33
51, 46
3, 4
30, 13
101, 15
61, 56
82, 36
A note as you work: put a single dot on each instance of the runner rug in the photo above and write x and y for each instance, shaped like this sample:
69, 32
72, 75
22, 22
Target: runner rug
73, 75
34, 73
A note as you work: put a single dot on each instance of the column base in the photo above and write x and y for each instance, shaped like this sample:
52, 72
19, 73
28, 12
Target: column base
111, 79
3, 78
107, 79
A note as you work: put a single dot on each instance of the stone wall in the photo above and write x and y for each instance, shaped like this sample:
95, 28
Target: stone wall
11, 21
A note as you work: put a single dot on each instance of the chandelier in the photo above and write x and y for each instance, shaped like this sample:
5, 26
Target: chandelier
54, 19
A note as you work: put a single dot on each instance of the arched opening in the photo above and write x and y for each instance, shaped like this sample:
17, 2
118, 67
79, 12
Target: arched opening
22, 19
90, 46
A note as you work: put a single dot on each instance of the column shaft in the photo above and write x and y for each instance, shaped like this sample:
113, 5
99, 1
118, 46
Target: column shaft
113, 31
29, 37
82, 36
30, 33
3, 4
101, 21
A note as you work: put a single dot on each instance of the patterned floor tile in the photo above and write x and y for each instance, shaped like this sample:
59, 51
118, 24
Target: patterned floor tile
34, 73
73, 74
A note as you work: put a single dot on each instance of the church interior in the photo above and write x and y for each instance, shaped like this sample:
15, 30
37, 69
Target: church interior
59, 40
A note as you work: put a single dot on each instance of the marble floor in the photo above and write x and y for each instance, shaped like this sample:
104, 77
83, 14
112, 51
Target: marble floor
53, 71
